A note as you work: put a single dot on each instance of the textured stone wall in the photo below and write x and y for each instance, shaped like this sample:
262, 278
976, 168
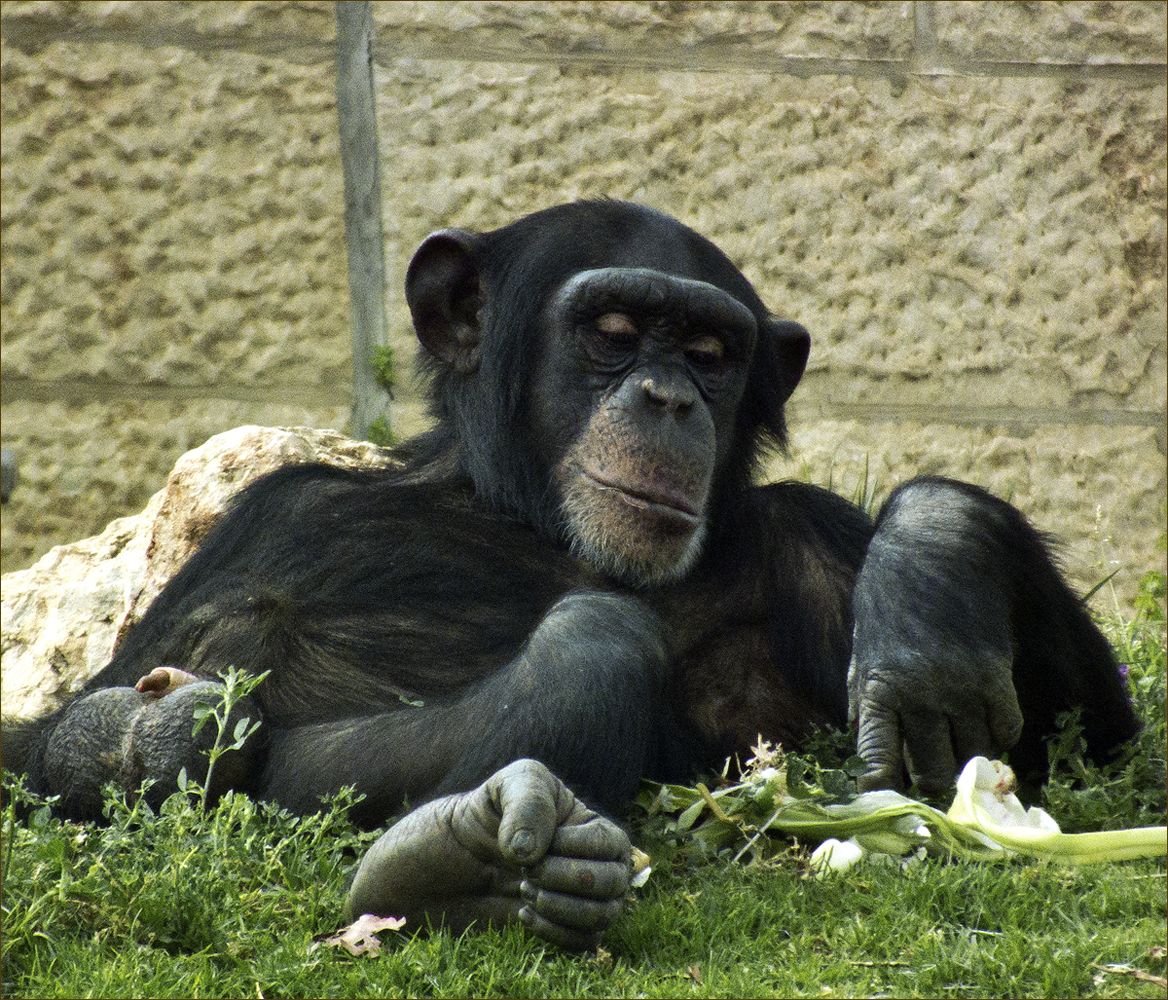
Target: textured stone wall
173, 245
964, 202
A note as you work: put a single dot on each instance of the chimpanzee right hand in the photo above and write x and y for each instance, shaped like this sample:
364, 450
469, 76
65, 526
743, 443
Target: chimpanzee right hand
521, 847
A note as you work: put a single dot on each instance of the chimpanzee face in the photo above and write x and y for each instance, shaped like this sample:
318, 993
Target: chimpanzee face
640, 376
606, 374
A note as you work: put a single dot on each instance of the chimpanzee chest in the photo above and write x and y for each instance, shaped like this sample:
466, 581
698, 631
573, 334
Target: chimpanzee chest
733, 690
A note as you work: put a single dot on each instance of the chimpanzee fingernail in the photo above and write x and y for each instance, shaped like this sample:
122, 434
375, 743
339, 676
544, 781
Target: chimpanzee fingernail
522, 844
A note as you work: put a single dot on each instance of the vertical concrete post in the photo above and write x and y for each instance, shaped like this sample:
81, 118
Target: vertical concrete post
357, 121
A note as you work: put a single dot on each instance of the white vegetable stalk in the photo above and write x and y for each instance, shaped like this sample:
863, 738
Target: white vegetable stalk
986, 820
987, 806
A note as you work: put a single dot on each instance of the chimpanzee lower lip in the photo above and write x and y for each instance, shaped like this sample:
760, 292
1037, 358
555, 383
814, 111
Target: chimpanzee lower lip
672, 506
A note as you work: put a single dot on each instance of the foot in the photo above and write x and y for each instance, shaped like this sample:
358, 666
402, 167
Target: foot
129, 736
520, 847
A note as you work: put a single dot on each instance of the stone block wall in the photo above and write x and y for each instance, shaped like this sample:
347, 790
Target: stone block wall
963, 201
173, 245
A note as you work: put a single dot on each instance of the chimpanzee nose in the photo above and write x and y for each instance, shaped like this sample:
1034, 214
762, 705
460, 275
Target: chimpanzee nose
672, 394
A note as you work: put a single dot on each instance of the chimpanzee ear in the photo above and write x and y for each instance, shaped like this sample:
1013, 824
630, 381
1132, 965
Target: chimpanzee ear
789, 346
445, 297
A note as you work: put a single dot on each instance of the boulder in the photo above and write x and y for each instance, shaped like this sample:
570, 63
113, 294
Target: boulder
62, 618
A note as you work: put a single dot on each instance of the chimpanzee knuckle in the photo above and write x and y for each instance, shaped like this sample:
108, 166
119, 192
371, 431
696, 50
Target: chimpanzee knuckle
971, 735
526, 772
856, 677
878, 751
469, 820
884, 692
932, 775
931, 780
567, 938
572, 911
1006, 723
504, 882
998, 685
571, 811
519, 782
584, 915
879, 744
884, 771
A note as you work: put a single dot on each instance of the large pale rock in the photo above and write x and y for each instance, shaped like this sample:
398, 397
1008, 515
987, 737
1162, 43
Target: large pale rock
84, 462
62, 617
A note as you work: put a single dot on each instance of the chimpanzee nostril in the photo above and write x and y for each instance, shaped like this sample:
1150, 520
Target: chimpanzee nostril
675, 399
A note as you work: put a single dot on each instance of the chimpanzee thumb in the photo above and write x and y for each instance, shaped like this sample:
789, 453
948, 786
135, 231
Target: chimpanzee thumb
525, 795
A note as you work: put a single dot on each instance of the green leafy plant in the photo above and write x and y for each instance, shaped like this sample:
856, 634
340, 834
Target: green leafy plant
380, 433
236, 685
384, 363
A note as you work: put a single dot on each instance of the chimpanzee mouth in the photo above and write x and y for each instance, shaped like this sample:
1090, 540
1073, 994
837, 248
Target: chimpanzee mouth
668, 503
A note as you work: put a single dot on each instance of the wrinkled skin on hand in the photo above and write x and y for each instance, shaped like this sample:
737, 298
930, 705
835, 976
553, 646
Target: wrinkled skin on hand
930, 718
520, 847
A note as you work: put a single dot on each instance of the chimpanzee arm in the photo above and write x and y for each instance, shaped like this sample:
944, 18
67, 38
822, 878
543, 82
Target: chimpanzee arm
585, 696
967, 641
521, 847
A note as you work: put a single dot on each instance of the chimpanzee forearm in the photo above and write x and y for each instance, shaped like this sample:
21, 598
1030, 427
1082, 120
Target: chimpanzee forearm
585, 696
968, 642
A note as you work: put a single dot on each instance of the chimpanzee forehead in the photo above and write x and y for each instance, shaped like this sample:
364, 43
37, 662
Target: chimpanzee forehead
643, 289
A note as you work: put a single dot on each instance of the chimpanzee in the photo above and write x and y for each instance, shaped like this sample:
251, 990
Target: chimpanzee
570, 584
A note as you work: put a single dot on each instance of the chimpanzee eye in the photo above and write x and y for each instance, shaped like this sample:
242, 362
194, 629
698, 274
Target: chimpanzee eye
705, 352
617, 328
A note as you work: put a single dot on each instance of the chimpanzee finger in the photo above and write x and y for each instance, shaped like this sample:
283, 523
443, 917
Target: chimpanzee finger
591, 879
524, 794
879, 744
598, 839
971, 737
564, 937
928, 747
1005, 716
571, 911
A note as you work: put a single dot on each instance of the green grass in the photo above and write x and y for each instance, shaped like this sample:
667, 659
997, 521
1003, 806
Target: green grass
227, 901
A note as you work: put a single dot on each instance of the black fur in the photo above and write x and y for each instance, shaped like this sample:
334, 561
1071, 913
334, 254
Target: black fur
426, 625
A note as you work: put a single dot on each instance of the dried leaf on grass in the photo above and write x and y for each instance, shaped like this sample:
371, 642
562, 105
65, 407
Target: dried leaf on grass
1131, 970
360, 937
